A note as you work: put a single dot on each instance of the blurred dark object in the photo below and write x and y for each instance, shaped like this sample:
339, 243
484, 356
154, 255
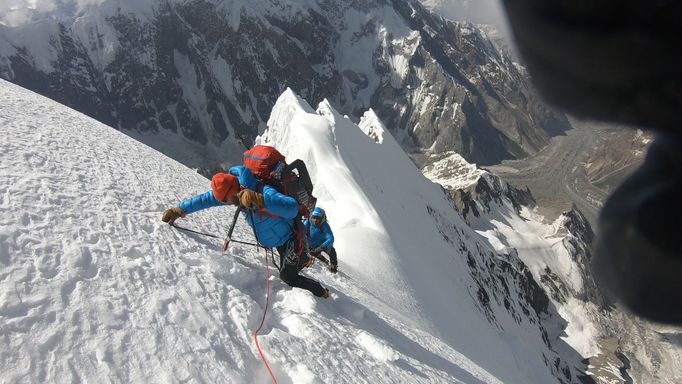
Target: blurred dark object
610, 60
621, 61
637, 252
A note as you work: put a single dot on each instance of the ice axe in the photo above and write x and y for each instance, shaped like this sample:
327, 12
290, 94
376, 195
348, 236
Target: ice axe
226, 243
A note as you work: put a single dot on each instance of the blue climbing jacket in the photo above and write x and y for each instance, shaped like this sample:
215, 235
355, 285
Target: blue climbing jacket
320, 235
272, 226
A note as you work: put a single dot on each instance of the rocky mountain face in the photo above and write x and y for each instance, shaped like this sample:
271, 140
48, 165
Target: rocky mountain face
505, 288
616, 157
200, 74
625, 349
488, 14
484, 200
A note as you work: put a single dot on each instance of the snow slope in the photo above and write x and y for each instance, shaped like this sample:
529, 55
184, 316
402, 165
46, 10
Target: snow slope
95, 288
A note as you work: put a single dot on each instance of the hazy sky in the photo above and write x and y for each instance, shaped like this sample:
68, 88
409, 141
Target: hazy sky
477, 11
15, 12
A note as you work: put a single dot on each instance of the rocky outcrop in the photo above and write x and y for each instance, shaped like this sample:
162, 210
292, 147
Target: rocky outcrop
616, 157
638, 351
486, 190
505, 290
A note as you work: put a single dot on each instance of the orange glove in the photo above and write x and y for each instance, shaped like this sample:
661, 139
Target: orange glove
171, 214
250, 199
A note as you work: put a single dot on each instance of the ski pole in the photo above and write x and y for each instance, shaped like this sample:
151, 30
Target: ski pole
226, 243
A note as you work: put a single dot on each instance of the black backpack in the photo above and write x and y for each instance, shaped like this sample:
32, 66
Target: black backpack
295, 182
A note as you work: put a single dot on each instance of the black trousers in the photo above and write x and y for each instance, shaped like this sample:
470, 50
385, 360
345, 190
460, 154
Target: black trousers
331, 252
332, 255
289, 261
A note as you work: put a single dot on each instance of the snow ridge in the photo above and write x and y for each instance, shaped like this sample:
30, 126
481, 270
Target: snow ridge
397, 199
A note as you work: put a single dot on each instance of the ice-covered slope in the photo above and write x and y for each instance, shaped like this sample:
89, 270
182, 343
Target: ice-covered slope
95, 288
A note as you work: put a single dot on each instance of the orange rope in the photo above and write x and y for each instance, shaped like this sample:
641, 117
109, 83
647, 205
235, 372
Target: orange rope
267, 302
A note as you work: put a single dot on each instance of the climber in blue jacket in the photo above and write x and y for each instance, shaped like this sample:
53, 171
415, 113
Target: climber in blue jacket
321, 237
270, 214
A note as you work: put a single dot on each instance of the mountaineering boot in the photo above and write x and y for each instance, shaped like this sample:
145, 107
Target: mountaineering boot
333, 268
325, 293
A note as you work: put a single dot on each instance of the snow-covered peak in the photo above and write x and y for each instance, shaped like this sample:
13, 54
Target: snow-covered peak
374, 196
453, 171
372, 126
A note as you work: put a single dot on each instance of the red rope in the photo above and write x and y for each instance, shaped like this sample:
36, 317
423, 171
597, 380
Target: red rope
267, 302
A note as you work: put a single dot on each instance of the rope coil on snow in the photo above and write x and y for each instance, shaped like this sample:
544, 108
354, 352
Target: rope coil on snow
267, 279
262, 320
267, 302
